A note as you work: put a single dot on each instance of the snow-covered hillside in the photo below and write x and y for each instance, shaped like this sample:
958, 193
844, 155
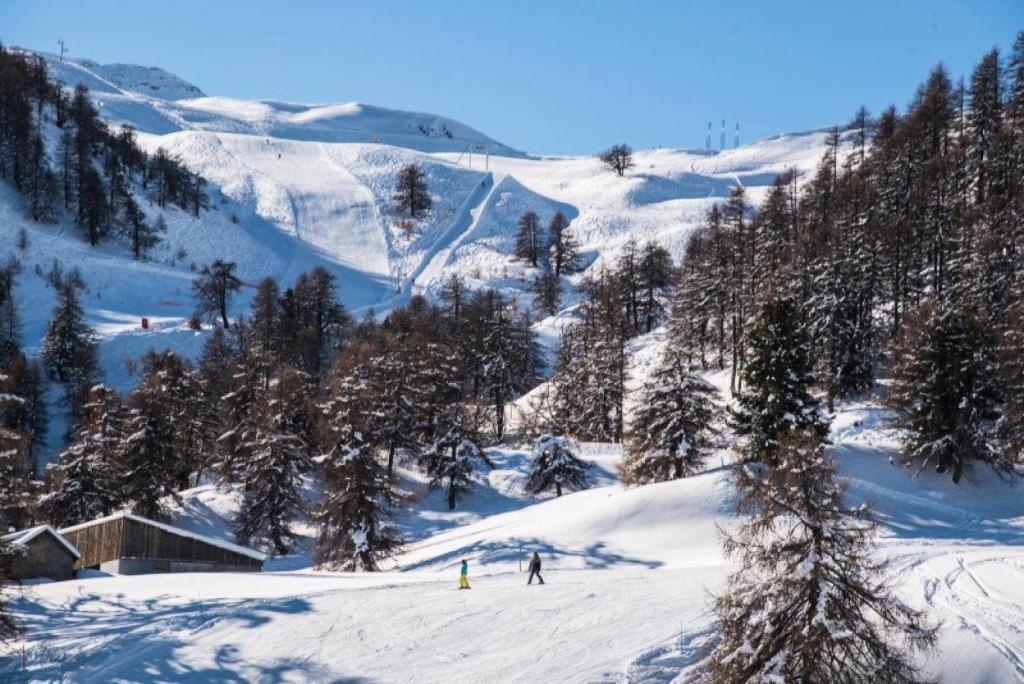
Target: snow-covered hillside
295, 185
155, 101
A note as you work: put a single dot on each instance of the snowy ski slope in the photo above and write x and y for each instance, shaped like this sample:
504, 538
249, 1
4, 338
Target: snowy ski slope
628, 574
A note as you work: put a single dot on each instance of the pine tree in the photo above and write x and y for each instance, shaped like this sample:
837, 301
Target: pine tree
655, 275
945, 392
355, 522
16, 482
278, 457
564, 250
26, 379
547, 291
318, 318
555, 464
214, 287
85, 482
250, 381
10, 321
176, 387
9, 628
671, 428
453, 457
528, 238
508, 358
810, 602
1010, 429
69, 350
141, 235
411, 194
776, 399
150, 467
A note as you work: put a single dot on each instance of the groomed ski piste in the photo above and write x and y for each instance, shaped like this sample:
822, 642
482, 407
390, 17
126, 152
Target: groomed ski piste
629, 572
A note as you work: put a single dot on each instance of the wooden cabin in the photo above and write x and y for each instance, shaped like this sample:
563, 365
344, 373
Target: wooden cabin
129, 544
41, 552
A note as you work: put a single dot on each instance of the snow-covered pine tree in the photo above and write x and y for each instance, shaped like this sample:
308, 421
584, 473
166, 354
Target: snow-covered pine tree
355, 521
85, 483
776, 398
739, 284
176, 387
556, 465
945, 390
278, 456
810, 601
239, 409
393, 373
17, 489
315, 321
774, 231
149, 467
27, 380
69, 351
508, 358
9, 628
654, 274
451, 452
689, 324
452, 458
842, 268
671, 428
1010, 429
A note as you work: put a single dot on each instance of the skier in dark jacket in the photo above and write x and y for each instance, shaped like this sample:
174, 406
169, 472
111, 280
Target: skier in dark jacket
535, 568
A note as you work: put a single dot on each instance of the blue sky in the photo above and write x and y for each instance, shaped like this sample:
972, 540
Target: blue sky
561, 76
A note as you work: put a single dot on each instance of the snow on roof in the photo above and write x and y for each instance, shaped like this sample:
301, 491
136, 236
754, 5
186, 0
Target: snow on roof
23, 537
220, 543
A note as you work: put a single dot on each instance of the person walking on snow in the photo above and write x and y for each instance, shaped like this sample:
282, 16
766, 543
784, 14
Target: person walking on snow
464, 575
535, 568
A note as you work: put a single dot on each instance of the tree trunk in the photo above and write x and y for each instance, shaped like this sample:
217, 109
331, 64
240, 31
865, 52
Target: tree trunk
558, 489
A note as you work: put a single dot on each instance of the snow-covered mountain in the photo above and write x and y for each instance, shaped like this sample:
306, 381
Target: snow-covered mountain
297, 185
294, 186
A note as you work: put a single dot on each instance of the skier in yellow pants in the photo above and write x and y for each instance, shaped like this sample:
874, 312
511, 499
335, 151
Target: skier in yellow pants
464, 575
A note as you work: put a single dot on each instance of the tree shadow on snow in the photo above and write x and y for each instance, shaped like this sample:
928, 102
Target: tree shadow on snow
105, 638
595, 556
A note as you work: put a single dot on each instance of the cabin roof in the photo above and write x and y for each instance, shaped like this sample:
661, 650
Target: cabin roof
220, 543
23, 537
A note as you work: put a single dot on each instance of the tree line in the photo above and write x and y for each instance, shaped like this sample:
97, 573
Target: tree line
297, 387
97, 167
901, 255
